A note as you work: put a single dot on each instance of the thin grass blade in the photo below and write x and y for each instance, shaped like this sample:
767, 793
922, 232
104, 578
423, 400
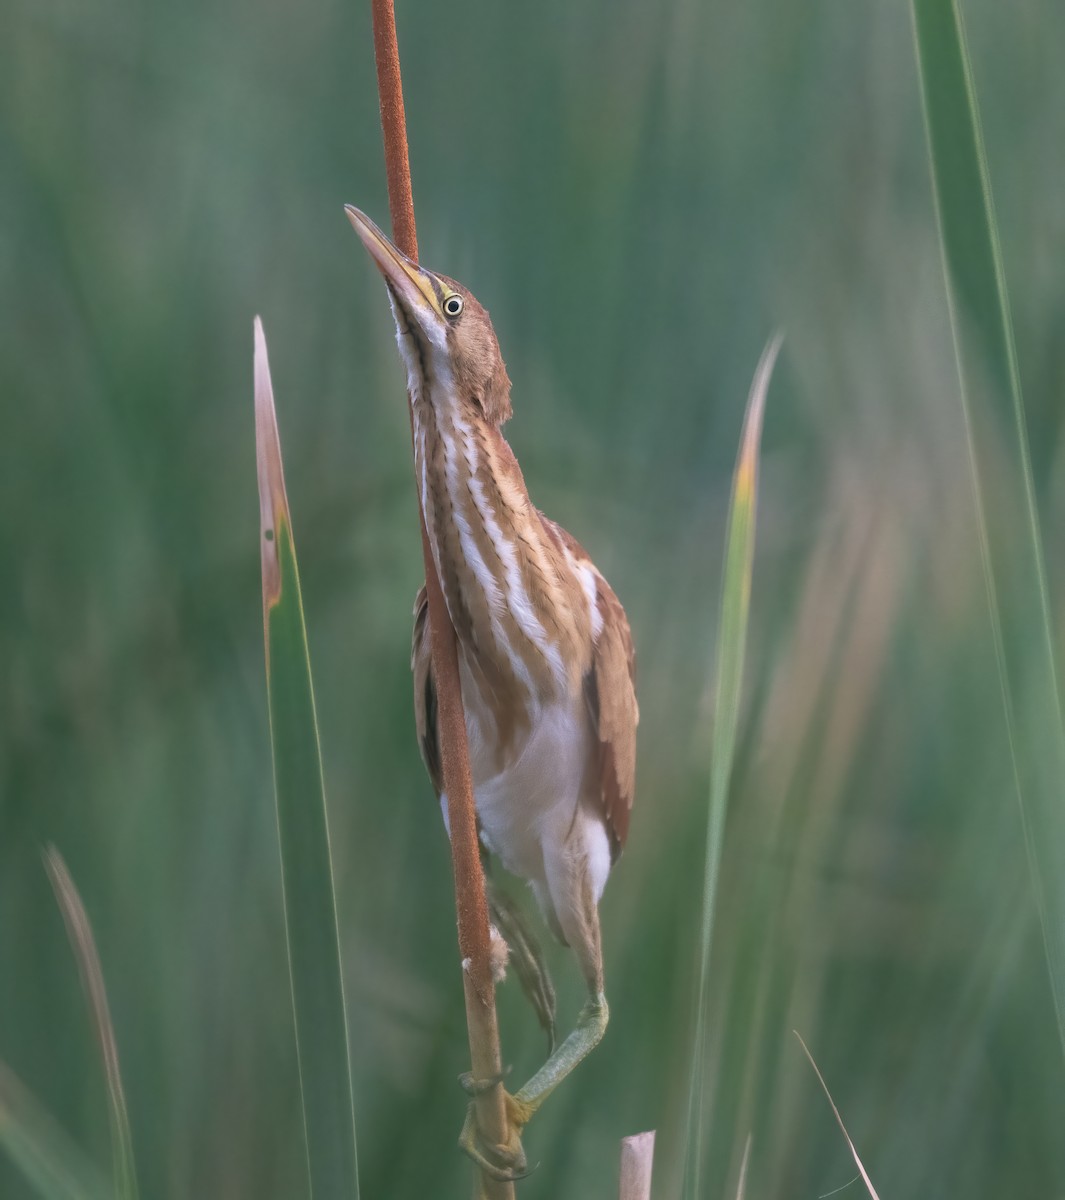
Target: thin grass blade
731, 646
92, 979
1014, 570
303, 829
51, 1162
741, 1186
839, 1120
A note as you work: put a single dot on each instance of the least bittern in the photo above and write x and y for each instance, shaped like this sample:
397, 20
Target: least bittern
545, 655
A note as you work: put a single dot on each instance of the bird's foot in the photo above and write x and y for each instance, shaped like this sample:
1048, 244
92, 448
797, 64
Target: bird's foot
505, 1162
478, 1087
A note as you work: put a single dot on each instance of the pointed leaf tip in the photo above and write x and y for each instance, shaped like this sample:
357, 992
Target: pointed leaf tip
273, 503
747, 467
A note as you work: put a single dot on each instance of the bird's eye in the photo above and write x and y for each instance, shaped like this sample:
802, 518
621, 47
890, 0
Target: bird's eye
452, 306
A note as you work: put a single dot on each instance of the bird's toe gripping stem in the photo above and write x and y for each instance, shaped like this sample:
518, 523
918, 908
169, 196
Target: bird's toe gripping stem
505, 1162
477, 1087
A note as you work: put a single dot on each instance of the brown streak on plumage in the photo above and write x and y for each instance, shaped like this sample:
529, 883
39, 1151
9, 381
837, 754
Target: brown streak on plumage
531, 655
487, 662
556, 595
610, 694
444, 531
425, 691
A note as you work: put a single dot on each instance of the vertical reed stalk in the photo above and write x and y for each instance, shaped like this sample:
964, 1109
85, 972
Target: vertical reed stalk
472, 908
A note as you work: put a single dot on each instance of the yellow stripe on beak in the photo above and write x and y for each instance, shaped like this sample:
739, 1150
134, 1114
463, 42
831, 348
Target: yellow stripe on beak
407, 279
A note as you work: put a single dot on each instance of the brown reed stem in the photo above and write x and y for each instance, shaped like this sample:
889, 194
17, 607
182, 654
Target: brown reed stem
471, 906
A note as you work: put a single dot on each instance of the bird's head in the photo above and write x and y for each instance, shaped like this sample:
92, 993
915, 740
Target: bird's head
445, 336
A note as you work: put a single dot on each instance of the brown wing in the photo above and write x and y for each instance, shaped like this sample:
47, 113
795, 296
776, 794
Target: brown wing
610, 691
421, 665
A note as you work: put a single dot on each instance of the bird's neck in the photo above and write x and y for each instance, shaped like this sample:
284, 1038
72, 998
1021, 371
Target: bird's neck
519, 607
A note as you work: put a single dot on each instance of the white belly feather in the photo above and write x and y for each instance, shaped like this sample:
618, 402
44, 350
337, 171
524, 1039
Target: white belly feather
539, 816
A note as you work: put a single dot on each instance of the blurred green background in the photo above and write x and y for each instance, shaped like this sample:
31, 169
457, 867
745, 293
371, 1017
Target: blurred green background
640, 194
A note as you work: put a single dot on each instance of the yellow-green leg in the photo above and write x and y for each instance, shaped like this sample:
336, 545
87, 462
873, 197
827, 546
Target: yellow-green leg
591, 1025
509, 1162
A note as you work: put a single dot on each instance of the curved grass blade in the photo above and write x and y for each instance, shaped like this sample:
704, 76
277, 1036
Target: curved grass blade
303, 830
92, 979
862, 1172
55, 1167
731, 645
1014, 570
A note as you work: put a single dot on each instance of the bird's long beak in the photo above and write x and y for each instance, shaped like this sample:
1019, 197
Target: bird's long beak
411, 284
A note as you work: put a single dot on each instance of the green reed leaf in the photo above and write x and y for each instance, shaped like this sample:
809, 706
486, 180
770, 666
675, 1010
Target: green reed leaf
303, 829
731, 645
55, 1167
993, 415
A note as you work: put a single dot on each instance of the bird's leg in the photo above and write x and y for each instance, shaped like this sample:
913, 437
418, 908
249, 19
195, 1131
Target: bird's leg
574, 901
508, 1162
591, 1025
580, 926
526, 955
